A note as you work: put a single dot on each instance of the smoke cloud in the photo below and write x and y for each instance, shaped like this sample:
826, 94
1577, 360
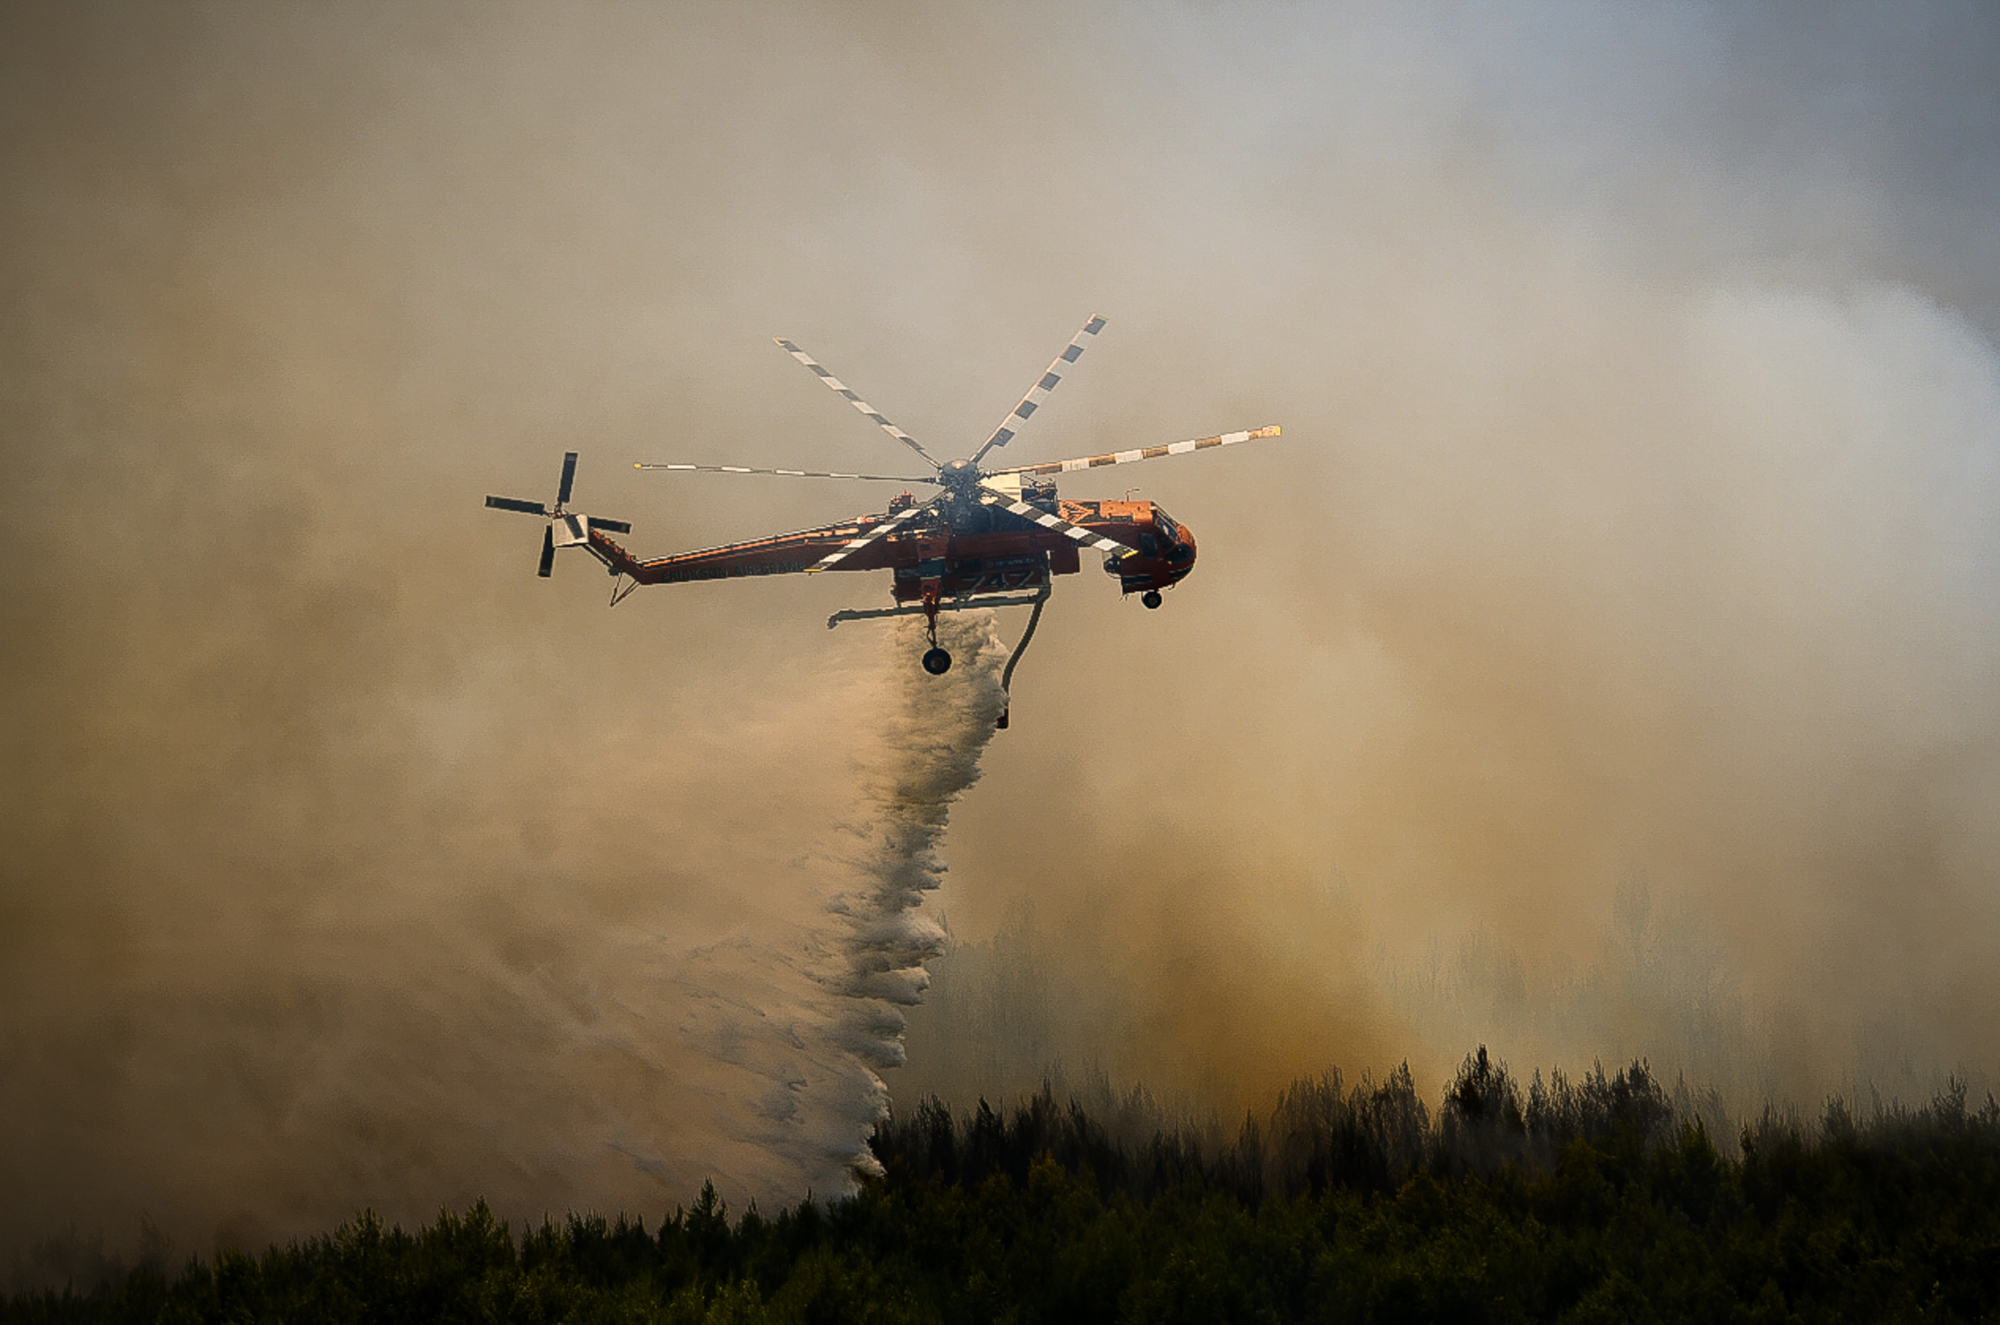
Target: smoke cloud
1603, 663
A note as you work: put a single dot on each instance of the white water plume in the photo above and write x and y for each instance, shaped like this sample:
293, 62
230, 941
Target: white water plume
802, 1021
928, 755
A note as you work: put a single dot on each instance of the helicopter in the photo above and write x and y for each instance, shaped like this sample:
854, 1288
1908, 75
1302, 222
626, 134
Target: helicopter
989, 537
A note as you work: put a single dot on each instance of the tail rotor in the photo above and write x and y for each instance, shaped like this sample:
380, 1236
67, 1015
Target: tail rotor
564, 529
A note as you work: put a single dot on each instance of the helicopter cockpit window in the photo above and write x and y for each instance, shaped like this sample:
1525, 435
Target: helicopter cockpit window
1168, 529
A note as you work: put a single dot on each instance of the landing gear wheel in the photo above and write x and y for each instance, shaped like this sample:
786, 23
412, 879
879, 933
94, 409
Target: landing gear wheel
1151, 598
937, 662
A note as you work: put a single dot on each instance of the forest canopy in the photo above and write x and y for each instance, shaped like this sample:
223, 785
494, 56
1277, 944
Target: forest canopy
1604, 1198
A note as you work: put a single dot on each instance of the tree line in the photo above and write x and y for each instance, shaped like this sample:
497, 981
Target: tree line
1602, 1198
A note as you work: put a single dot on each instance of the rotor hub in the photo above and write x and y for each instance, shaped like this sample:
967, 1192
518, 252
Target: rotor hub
960, 479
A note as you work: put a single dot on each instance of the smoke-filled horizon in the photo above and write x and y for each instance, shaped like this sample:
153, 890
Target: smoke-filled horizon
1632, 535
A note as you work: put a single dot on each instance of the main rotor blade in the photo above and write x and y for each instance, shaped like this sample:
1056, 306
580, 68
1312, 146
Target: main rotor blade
1007, 502
840, 388
609, 526
1144, 453
569, 477
787, 473
875, 535
516, 504
1040, 391
548, 551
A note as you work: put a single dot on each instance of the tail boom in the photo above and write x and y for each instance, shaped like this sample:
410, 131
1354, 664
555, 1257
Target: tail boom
786, 554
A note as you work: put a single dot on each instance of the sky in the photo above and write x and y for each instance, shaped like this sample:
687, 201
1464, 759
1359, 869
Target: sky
1602, 663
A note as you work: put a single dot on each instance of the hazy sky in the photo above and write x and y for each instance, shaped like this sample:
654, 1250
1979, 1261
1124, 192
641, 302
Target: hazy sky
1634, 520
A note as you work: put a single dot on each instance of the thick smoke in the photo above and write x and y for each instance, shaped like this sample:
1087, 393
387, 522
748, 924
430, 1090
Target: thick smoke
1632, 535
507, 1051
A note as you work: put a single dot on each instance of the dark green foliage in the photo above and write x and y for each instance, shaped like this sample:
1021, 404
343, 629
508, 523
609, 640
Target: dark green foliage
1591, 1201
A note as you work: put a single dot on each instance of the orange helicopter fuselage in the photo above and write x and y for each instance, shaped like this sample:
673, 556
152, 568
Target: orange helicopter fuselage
943, 559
